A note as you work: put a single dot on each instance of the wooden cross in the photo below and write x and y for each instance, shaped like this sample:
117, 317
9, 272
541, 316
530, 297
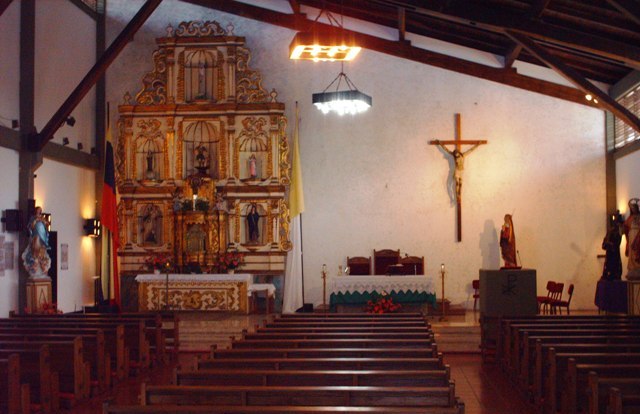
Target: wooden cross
458, 160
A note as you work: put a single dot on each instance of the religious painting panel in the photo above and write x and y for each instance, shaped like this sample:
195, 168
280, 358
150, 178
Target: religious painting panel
150, 225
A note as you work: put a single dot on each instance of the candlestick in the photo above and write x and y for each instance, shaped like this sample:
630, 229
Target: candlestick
444, 309
324, 287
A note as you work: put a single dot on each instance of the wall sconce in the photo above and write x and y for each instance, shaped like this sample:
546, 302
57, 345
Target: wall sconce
47, 220
12, 220
65, 141
91, 227
71, 121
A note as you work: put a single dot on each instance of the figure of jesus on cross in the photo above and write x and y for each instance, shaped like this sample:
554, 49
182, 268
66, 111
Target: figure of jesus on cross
458, 164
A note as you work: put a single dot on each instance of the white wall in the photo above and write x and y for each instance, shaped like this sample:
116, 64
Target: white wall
9, 200
68, 194
627, 187
372, 181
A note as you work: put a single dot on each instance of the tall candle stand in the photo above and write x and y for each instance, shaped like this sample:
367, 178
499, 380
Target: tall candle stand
443, 318
324, 288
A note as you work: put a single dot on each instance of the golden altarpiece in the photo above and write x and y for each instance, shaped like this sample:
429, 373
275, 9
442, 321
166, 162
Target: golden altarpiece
202, 158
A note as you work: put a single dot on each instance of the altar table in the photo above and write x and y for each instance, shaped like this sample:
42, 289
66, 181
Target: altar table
361, 289
211, 292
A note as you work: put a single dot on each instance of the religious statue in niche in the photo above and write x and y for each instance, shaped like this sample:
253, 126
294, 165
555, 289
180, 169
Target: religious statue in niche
202, 159
253, 221
151, 224
149, 172
508, 244
35, 257
631, 229
611, 244
253, 167
202, 81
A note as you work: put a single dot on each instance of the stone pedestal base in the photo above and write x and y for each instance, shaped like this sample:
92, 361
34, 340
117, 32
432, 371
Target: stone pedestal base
38, 293
633, 303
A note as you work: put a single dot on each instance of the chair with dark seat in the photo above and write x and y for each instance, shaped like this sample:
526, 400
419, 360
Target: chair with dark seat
382, 259
359, 266
476, 292
557, 305
543, 301
412, 265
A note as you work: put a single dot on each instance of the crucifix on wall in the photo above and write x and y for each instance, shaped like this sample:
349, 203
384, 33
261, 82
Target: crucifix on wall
458, 165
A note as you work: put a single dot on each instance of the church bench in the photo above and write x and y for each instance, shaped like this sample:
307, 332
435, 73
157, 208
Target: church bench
323, 396
323, 363
324, 377
425, 352
598, 390
12, 392
546, 368
622, 404
66, 360
289, 409
558, 379
574, 390
528, 357
342, 317
352, 315
345, 325
94, 352
357, 329
332, 343
35, 372
134, 334
336, 335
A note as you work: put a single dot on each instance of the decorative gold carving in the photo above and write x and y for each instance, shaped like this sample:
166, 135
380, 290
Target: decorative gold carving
124, 131
199, 28
236, 158
253, 137
269, 224
191, 295
181, 76
285, 166
149, 131
154, 90
221, 79
120, 213
249, 82
179, 149
237, 238
285, 220
270, 155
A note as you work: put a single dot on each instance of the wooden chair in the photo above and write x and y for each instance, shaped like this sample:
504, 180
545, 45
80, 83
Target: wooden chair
476, 292
412, 265
556, 296
382, 259
557, 305
543, 301
359, 266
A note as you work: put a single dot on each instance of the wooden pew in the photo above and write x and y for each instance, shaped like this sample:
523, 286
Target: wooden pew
68, 364
425, 352
345, 325
622, 404
362, 315
321, 396
12, 393
289, 409
598, 390
324, 329
258, 378
35, 371
269, 336
332, 343
324, 363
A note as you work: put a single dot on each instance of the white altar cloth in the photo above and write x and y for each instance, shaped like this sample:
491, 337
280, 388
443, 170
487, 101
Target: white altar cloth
362, 284
221, 277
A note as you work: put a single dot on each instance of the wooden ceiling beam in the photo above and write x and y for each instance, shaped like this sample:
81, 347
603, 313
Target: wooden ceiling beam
475, 15
38, 141
574, 77
4, 5
85, 9
402, 23
537, 7
295, 6
629, 8
403, 50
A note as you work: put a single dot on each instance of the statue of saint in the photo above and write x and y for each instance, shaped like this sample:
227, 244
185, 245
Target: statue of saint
508, 244
149, 223
253, 219
458, 159
149, 174
253, 169
202, 158
611, 244
631, 229
35, 257
202, 80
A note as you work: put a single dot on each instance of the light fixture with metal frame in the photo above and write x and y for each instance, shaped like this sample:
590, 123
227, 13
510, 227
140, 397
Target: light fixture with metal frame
350, 101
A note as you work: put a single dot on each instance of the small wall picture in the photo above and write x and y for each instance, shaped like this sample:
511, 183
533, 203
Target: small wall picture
9, 256
64, 256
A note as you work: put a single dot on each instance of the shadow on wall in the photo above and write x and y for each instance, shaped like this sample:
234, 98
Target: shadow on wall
489, 246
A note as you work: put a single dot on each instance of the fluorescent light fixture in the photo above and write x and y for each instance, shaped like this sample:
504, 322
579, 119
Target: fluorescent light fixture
326, 46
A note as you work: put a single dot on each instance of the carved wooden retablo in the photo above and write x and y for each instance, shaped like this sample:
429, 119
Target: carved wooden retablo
202, 157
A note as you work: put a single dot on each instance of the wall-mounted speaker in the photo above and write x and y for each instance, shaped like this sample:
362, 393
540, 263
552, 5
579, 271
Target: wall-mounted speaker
12, 220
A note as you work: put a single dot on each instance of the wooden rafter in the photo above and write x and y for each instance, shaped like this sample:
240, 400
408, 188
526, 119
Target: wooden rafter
403, 50
537, 7
574, 77
295, 6
402, 23
85, 8
498, 21
38, 141
630, 8
4, 4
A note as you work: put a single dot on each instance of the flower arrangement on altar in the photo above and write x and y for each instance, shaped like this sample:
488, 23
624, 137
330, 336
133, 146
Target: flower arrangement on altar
229, 261
384, 304
160, 261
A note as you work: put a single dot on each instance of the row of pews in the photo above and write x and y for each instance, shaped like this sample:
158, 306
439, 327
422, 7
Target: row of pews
53, 361
574, 364
302, 363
